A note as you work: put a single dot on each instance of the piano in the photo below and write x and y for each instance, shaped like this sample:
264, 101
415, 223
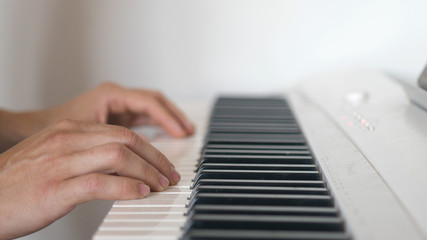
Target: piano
340, 156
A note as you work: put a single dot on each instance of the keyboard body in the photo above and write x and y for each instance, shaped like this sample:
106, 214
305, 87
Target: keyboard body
369, 170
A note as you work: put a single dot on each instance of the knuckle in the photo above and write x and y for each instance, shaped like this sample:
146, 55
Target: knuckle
133, 139
147, 170
124, 188
58, 137
128, 190
65, 123
152, 102
108, 86
128, 136
161, 158
149, 99
92, 185
49, 159
157, 93
117, 153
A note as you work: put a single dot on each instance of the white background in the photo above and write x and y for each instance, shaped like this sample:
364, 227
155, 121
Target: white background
51, 50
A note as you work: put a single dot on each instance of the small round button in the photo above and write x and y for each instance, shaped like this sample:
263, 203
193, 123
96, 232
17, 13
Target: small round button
356, 98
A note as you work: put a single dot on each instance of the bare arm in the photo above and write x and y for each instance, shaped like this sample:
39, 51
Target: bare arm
14, 127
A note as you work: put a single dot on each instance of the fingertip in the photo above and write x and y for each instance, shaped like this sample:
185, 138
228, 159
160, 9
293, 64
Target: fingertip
179, 133
164, 182
144, 190
190, 128
176, 177
187, 126
143, 137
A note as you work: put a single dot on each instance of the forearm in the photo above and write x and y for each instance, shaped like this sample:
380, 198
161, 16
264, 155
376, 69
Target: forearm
14, 127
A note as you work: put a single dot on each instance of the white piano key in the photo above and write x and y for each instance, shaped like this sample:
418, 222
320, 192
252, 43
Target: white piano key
138, 235
160, 216
144, 218
137, 226
156, 198
132, 210
149, 205
187, 178
144, 209
172, 190
170, 193
186, 172
180, 186
126, 228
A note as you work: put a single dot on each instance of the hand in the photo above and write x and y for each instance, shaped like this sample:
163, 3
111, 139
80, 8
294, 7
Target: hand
45, 176
108, 103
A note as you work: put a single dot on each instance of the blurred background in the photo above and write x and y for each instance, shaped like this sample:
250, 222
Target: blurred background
52, 50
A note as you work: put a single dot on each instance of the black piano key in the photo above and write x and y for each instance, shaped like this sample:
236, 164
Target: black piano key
250, 107
247, 111
269, 106
265, 222
261, 199
256, 136
253, 124
251, 116
258, 104
249, 99
255, 141
256, 174
259, 190
264, 157
256, 147
256, 159
250, 120
248, 182
275, 130
262, 210
242, 166
254, 152
222, 234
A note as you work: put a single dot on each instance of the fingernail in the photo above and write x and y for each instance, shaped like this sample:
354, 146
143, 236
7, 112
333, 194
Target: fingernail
190, 127
163, 181
143, 137
175, 176
179, 131
144, 189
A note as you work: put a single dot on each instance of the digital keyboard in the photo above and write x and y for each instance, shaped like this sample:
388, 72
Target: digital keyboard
304, 165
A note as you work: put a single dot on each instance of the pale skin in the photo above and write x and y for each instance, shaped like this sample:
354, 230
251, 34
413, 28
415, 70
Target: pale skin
58, 158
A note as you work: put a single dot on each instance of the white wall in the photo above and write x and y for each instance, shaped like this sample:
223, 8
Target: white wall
51, 50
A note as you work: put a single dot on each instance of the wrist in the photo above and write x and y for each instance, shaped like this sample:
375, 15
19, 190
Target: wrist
15, 127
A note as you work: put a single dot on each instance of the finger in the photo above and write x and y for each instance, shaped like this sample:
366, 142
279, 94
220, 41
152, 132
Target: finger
114, 158
145, 103
75, 125
148, 152
174, 109
101, 186
143, 137
77, 141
